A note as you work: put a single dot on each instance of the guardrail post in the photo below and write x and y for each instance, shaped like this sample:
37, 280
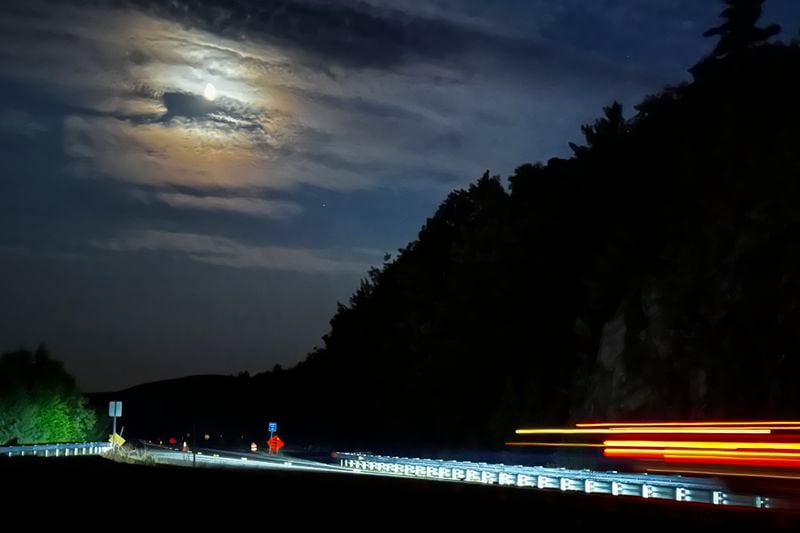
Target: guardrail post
505, 479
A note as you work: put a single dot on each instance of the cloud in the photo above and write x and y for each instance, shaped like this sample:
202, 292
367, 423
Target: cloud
24, 251
205, 154
276, 209
350, 35
340, 96
228, 252
21, 123
178, 153
474, 38
186, 105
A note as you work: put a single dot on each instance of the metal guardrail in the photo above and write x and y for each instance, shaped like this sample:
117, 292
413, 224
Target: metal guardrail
676, 488
55, 450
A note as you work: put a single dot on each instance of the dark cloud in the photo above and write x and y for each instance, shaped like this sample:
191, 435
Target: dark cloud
349, 35
186, 105
337, 162
323, 35
359, 105
15, 122
137, 57
359, 36
222, 115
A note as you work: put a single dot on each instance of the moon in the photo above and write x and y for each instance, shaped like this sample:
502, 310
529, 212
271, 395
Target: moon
210, 92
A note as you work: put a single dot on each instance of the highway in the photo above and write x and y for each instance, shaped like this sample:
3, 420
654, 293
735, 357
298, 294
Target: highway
673, 487
225, 458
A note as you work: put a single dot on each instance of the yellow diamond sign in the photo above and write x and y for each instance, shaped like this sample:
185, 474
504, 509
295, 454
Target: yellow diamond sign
116, 440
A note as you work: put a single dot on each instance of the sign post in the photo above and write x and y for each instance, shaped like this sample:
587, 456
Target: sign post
114, 410
273, 427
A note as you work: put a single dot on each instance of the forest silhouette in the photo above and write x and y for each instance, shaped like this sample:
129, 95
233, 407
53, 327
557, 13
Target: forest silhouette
654, 274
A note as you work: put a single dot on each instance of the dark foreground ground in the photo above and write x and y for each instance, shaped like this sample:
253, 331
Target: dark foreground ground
85, 492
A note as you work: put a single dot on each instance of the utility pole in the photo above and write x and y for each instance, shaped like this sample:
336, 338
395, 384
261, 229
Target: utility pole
194, 443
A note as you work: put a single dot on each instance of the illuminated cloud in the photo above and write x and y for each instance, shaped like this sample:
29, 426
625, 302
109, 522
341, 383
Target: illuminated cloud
277, 209
228, 252
342, 96
176, 153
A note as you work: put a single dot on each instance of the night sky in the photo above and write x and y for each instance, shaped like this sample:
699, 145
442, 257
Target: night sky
189, 187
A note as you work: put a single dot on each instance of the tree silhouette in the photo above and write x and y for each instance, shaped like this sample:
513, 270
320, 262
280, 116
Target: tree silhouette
638, 278
605, 131
739, 31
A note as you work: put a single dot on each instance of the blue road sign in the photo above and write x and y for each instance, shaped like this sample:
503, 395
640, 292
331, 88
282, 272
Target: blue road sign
273, 427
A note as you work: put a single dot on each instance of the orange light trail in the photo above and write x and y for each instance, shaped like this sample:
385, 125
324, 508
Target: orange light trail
564, 444
661, 452
709, 472
738, 461
781, 449
774, 424
702, 445
648, 430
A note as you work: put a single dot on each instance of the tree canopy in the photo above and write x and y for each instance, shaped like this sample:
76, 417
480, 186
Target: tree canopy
740, 30
39, 401
652, 274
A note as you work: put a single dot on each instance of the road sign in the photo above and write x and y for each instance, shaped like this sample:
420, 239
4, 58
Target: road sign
116, 440
114, 409
275, 444
273, 427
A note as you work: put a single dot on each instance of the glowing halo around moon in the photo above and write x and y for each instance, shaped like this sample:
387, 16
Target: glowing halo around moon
210, 92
